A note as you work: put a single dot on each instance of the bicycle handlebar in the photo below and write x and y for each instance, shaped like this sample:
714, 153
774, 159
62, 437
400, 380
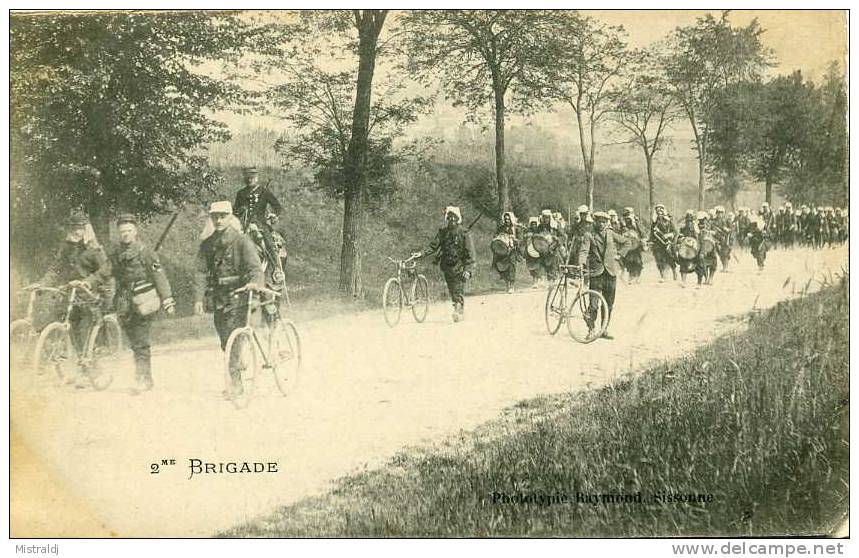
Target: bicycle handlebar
256, 288
399, 262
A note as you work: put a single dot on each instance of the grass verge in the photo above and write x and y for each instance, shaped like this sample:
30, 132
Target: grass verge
757, 419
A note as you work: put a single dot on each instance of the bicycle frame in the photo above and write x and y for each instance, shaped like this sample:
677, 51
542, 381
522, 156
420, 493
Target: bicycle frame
251, 306
408, 266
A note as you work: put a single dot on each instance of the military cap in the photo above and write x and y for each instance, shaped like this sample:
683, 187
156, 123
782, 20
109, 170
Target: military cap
659, 206
77, 219
627, 211
250, 171
600, 215
612, 213
702, 215
582, 209
221, 207
126, 218
546, 213
720, 209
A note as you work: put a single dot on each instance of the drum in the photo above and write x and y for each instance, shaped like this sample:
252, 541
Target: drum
542, 243
688, 248
708, 243
530, 249
502, 264
501, 245
634, 239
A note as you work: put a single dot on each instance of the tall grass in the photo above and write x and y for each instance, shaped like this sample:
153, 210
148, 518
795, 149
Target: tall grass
758, 419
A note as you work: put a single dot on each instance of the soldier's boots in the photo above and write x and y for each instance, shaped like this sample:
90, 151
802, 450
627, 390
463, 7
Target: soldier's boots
142, 384
143, 378
458, 311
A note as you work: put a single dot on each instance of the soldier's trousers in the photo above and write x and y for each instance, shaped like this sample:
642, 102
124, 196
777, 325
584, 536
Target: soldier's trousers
605, 284
137, 330
455, 283
509, 274
81, 321
633, 264
664, 258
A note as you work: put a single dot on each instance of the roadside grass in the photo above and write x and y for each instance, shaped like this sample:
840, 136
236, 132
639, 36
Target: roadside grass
758, 419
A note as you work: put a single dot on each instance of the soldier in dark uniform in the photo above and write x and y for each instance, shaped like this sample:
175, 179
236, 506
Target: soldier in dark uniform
557, 248
632, 260
135, 267
506, 265
81, 259
662, 237
227, 260
599, 253
532, 261
688, 230
743, 220
707, 263
758, 243
768, 219
724, 239
453, 252
254, 206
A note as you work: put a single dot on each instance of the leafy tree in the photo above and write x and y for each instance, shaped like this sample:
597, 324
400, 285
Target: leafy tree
703, 59
110, 111
482, 56
318, 105
644, 109
586, 62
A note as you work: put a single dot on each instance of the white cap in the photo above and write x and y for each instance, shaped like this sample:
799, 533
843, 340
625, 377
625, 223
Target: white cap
221, 207
453, 209
546, 212
702, 215
582, 209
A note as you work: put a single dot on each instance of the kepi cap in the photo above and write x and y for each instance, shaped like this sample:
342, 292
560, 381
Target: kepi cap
221, 207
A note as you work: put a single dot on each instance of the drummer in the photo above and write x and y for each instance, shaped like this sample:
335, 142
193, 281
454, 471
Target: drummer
662, 233
630, 227
757, 237
505, 264
532, 257
707, 261
688, 230
557, 245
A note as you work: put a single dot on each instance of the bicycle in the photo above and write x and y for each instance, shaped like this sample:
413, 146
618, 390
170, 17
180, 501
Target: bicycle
282, 356
394, 296
55, 350
587, 316
22, 333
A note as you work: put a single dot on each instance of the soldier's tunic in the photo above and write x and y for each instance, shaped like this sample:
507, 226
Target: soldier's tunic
707, 263
759, 246
632, 260
226, 261
599, 254
86, 262
663, 253
252, 207
506, 265
453, 252
724, 239
549, 261
134, 264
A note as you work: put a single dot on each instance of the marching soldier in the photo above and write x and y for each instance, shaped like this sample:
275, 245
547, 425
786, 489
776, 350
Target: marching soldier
80, 259
505, 265
137, 270
454, 253
743, 221
724, 239
532, 259
257, 208
557, 246
688, 230
227, 260
767, 218
631, 227
757, 236
599, 253
707, 262
662, 236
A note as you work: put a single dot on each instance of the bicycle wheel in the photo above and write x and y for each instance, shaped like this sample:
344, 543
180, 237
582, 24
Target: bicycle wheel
555, 307
284, 354
54, 351
392, 301
588, 316
104, 341
420, 298
21, 336
241, 366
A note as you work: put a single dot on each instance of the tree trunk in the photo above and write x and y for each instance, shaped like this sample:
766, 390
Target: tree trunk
353, 165
769, 190
701, 175
100, 221
650, 189
500, 173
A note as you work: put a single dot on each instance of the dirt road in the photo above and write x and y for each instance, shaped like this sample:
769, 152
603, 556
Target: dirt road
81, 460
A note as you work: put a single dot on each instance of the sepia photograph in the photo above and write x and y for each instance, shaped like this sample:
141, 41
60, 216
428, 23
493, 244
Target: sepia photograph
415, 273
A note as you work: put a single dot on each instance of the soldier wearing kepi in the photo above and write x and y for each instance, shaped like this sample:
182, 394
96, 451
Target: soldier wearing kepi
724, 238
454, 253
662, 238
505, 249
630, 227
140, 283
254, 204
227, 260
599, 253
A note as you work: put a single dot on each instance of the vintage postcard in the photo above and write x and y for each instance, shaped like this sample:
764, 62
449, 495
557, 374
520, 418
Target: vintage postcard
447, 274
